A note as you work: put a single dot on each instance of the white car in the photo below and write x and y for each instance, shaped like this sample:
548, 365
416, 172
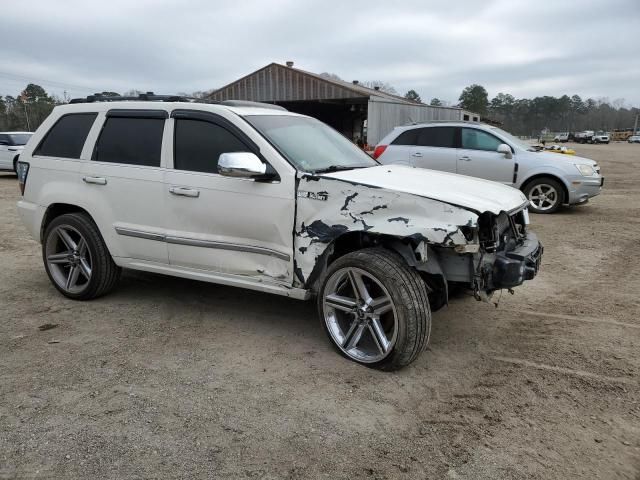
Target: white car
11, 144
253, 196
600, 137
478, 150
561, 137
634, 139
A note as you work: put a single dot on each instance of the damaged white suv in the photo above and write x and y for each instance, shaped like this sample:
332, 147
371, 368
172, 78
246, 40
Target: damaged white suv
253, 196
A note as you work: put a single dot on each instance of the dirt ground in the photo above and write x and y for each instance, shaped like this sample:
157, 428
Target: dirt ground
170, 378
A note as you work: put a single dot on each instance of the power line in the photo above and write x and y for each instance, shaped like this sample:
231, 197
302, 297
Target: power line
53, 83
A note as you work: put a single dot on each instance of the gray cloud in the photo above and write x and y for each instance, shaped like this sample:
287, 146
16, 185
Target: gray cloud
523, 48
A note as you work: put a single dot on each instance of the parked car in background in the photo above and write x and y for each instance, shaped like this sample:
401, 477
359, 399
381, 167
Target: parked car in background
584, 136
11, 144
561, 137
253, 196
548, 180
600, 137
634, 139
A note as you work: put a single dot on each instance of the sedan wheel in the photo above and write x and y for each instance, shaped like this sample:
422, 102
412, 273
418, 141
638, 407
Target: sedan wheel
69, 259
545, 195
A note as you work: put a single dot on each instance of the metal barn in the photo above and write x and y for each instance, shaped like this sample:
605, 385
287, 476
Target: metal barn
363, 114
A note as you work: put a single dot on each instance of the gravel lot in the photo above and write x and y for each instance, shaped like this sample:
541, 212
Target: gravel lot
170, 378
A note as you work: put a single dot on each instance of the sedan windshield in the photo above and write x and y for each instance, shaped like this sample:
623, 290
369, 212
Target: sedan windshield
309, 144
20, 138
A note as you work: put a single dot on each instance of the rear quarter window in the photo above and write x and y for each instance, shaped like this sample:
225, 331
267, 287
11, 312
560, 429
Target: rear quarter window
67, 136
408, 137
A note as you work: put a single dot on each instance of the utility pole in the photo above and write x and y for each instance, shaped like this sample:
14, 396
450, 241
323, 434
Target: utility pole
26, 114
635, 127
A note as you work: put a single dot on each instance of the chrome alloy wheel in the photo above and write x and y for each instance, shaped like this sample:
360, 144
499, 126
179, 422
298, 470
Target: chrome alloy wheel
543, 196
360, 315
68, 258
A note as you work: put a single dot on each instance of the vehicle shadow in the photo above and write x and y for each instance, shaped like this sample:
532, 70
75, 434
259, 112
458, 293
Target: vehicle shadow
186, 297
181, 301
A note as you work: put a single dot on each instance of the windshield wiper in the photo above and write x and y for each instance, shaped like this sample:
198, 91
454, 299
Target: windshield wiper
338, 168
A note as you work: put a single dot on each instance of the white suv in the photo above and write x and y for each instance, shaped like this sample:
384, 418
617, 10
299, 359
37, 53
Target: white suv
11, 144
253, 196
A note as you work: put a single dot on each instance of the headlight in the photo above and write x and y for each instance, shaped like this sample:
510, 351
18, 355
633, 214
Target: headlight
585, 170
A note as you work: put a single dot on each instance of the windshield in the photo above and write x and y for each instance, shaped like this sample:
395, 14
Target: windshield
20, 138
515, 140
309, 144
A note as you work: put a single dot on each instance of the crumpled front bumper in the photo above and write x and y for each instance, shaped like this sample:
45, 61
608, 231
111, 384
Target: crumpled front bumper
511, 269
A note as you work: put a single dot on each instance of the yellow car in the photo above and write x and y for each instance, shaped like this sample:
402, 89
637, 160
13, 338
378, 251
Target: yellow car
559, 149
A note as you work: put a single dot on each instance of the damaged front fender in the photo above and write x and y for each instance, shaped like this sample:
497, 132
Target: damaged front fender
328, 208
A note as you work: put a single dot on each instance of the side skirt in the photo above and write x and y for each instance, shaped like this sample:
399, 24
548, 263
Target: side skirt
231, 280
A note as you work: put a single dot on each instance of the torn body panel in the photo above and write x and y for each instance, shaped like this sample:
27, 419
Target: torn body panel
347, 207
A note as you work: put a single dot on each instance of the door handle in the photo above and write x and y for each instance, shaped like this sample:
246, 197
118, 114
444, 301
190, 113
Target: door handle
465, 158
185, 192
95, 180
416, 154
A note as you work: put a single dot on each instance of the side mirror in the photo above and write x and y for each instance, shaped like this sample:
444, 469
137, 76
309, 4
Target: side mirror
505, 149
241, 165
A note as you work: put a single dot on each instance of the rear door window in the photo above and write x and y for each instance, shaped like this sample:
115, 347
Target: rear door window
443, 137
130, 140
198, 144
67, 136
407, 138
473, 139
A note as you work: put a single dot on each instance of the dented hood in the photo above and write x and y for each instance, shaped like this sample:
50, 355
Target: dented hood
468, 192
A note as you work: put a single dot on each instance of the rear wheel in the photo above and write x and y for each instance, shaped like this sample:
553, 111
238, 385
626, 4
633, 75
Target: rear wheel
375, 309
76, 258
545, 195
15, 165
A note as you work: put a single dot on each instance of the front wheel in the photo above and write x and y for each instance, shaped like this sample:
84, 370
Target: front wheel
545, 195
375, 309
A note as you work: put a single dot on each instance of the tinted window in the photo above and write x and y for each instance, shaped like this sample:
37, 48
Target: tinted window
136, 141
478, 140
408, 137
66, 138
199, 144
4, 139
437, 137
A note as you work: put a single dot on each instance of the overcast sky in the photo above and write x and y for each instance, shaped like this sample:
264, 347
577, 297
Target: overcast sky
526, 48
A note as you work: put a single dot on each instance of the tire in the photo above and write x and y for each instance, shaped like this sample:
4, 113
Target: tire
76, 258
396, 296
544, 187
15, 165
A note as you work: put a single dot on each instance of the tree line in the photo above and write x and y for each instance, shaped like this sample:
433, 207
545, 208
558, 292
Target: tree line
521, 116
524, 116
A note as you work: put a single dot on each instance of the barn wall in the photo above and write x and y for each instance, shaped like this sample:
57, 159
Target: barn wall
383, 116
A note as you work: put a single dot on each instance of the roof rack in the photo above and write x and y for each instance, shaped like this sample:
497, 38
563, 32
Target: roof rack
152, 97
143, 97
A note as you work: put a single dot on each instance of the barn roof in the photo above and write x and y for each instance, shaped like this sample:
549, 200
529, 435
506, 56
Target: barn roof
276, 82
